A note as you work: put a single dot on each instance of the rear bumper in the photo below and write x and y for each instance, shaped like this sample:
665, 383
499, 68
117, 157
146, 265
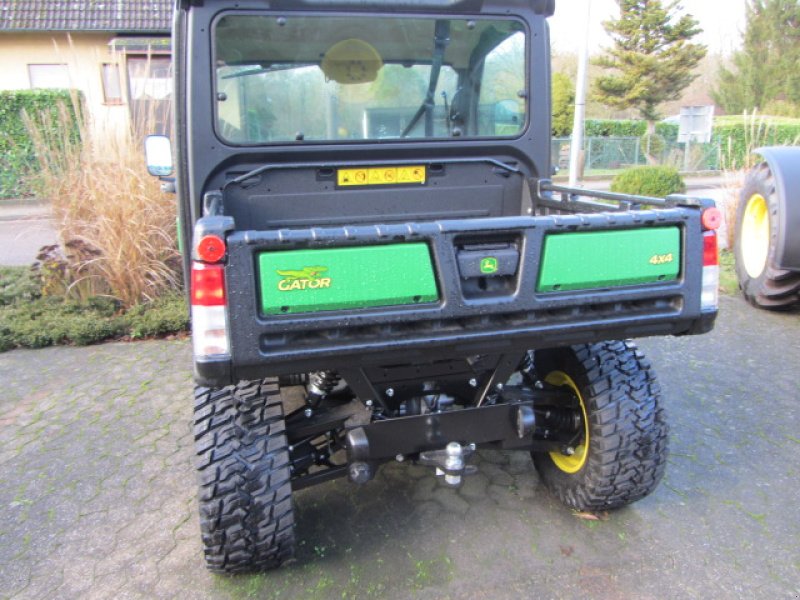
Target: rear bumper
459, 325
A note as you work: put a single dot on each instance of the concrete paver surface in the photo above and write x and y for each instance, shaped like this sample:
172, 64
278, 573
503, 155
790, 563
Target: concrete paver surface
97, 490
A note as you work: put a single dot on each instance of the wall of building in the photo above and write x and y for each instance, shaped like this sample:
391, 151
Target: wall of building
84, 55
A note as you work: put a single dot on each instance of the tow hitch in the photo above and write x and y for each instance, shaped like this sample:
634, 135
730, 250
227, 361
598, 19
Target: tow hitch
528, 419
450, 462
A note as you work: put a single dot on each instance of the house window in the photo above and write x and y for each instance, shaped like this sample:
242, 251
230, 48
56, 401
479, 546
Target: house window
49, 76
112, 89
150, 92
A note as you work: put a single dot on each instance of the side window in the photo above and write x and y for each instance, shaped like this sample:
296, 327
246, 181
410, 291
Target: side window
263, 105
501, 106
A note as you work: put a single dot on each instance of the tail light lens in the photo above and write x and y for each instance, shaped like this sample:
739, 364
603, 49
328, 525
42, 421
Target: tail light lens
709, 298
208, 285
211, 249
209, 311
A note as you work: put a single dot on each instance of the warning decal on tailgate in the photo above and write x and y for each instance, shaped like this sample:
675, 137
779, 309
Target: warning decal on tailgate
381, 176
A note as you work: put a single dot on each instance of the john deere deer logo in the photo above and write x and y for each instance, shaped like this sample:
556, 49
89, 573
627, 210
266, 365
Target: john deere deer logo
307, 278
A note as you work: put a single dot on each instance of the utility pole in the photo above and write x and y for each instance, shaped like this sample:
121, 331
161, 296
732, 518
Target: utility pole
576, 145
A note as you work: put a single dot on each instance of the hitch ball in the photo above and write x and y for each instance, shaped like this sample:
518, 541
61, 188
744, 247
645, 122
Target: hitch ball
454, 462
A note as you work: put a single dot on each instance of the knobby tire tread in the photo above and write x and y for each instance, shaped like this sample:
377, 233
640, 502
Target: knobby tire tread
245, 498
628, 430
774, 289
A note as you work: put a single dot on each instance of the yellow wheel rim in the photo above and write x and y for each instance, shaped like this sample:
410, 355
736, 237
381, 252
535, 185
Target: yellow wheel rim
574, 463
754, 240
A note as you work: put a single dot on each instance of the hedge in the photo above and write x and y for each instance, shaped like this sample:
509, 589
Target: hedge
17, 156
628, 128
738, 136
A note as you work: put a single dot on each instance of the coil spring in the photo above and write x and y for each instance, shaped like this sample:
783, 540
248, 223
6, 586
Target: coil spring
562, 419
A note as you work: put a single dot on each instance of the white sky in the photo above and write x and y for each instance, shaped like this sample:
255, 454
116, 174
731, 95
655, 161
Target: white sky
722, 22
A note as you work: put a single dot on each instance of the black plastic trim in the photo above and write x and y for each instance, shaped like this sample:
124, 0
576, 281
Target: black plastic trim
212, 372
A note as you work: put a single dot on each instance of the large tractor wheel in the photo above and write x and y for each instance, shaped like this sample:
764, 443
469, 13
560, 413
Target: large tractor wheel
246, 517
757, 218
621, 450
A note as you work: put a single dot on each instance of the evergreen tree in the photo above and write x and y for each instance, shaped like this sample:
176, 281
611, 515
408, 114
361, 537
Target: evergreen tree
652, 57
563, 94
766, 71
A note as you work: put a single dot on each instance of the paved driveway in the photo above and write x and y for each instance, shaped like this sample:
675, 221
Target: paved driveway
97, 492
24, 228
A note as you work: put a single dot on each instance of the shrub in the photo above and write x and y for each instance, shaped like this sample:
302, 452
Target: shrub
782, 108
118, 226
68, 272
563, 104
18, 284
649, 181
50, 320
17, 151
169, 314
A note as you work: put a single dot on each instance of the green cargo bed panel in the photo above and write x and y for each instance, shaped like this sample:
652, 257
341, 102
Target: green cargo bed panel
302, 281
599, 259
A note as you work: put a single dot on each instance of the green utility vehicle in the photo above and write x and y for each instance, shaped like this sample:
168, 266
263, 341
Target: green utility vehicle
381, 268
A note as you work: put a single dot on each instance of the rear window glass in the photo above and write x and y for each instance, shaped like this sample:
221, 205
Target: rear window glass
283, 79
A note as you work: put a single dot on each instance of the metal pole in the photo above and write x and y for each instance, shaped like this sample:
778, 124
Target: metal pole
576, 145
686, 153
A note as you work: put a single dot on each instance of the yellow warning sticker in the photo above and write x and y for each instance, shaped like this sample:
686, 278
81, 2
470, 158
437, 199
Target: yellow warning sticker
381, 175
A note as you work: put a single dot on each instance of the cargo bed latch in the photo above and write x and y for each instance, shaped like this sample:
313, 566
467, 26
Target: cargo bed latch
488, 260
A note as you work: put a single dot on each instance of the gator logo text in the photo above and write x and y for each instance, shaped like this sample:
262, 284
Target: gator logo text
307, 278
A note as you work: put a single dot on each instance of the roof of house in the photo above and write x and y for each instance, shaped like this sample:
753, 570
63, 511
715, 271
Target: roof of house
129, 16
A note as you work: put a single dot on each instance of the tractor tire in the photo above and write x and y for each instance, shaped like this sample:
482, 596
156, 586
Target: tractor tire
763, 284
246, 514
622, 452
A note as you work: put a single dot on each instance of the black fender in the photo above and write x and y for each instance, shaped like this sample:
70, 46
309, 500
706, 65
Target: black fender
784, 162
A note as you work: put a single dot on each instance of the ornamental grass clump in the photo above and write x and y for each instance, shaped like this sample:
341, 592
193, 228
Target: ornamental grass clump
105, 202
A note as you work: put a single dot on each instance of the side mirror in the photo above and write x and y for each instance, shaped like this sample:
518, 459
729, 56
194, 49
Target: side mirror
158, 155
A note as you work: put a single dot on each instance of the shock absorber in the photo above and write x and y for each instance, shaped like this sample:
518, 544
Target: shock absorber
320, 384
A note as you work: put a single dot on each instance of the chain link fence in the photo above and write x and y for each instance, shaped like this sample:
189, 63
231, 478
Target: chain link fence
616, 153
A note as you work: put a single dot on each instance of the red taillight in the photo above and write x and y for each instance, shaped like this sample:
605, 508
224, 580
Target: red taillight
711, 219
208, 285
211, 248
710, 254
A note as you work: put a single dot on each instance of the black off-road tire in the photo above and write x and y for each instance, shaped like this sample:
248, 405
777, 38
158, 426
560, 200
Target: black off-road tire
763, 284
246, 517
627, 450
